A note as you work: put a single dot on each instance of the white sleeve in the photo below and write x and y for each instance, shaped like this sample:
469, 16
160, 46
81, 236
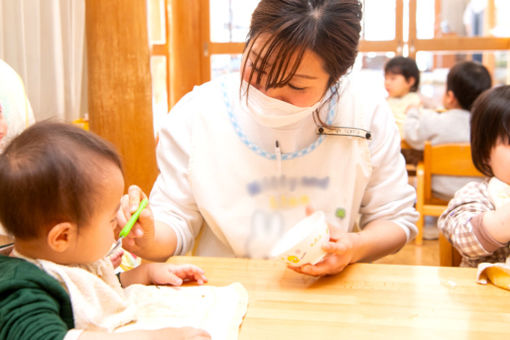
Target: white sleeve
171, 198
419, 127
388, 195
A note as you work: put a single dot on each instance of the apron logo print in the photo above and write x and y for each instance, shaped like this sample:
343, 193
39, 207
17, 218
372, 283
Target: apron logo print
340, 213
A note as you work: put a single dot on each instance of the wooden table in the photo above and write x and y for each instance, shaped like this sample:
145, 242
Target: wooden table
366, 301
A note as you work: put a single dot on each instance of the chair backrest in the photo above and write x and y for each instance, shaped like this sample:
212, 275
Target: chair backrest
452, 160
447, 159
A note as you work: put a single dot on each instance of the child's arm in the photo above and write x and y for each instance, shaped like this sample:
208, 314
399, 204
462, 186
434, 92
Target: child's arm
497, 223
30, 314
463, 222
185, 333
419, 126
162, 274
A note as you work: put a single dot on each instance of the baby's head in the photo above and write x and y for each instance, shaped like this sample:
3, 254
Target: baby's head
464, 83
490, 133
60, 188
401, 76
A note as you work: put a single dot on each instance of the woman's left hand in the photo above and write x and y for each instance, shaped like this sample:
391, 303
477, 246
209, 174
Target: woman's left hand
340, 255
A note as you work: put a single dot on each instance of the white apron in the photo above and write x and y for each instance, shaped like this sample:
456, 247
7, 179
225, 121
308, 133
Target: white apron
249, 199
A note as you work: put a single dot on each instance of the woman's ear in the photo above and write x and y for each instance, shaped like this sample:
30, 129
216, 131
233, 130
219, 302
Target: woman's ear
61, 236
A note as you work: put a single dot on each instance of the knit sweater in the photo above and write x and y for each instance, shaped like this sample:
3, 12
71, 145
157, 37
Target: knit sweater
33, 305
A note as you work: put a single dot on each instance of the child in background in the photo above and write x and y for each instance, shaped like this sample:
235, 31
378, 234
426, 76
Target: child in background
477, 220
465, 81
401, 80
60, 189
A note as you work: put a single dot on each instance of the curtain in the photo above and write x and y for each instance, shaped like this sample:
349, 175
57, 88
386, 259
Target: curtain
44, 41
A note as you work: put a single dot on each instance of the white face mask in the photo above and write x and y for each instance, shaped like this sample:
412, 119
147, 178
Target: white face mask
271, 112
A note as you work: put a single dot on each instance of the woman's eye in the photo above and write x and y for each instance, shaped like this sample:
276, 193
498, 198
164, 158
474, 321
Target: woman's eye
296, 88
254, 68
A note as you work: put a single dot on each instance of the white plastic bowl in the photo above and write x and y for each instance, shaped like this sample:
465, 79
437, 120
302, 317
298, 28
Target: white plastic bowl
303, 242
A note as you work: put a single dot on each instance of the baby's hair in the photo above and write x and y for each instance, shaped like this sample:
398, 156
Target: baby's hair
47, 176
467, 79
490, 124
406, 67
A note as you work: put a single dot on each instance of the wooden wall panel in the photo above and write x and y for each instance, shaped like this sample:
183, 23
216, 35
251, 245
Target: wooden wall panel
186, 47
120, 100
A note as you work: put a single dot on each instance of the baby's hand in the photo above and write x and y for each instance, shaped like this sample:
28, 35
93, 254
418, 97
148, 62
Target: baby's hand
174, 274
116, 258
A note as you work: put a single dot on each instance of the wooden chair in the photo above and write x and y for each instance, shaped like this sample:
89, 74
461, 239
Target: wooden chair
411, 168
448, 255
444, 159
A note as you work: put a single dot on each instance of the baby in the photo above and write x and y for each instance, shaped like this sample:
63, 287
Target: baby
477, 219
60, 189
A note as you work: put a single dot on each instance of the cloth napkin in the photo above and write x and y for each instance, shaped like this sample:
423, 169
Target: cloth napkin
497, 273
100, 303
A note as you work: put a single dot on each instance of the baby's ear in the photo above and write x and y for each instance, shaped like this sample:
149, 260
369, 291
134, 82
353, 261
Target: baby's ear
61, 236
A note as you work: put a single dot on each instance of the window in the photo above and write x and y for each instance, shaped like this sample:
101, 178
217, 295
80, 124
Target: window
436, 33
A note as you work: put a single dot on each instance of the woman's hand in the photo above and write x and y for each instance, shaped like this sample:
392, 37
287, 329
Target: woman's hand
340, 255
142, 233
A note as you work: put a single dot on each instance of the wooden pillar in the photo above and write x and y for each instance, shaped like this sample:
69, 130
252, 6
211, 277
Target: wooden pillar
186, 47
119, 84
412, 29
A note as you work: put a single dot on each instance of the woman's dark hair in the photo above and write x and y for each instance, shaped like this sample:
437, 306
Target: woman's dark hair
490, 124
47, 176
406, 67
467, 80
329, 28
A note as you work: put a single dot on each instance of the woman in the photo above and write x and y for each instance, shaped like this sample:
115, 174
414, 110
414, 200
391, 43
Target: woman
245, 157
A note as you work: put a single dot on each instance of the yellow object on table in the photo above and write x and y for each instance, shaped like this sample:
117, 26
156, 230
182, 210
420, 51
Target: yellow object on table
496, 273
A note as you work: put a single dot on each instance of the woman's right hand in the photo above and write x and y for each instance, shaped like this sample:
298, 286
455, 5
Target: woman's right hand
142, 233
